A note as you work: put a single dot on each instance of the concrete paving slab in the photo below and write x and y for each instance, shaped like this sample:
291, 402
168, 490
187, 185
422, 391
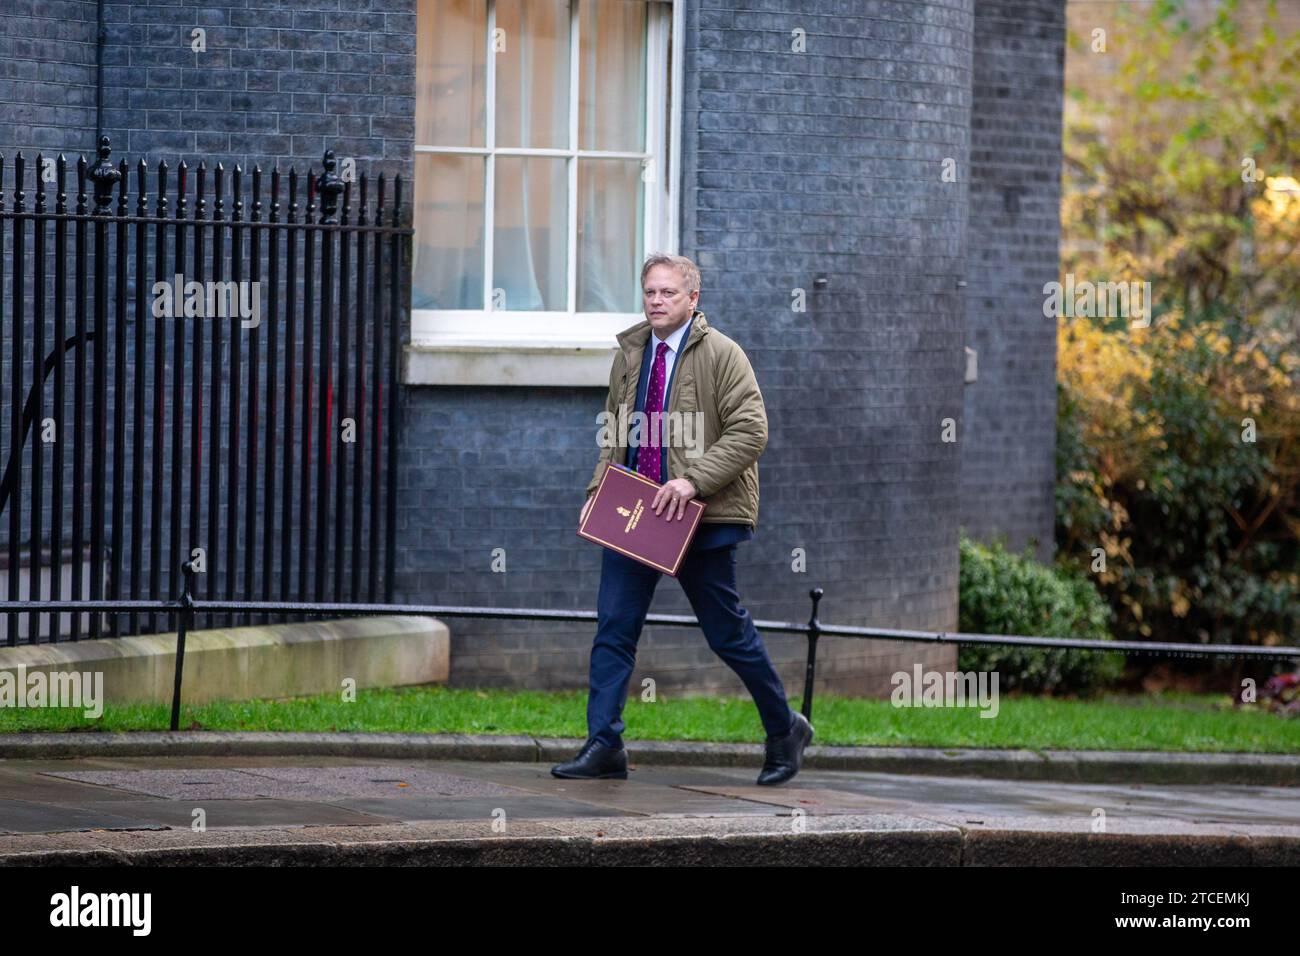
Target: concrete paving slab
653, 794
39, 787
20, 816
809, 800
385, 780
197, 784
287, 783
423, 809
433, 843
197, 761
517, 773
584, 842
153, 813
769, 824
1208, 804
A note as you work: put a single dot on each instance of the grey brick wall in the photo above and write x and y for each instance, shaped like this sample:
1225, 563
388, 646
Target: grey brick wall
280, 81
1007, 447
829, 162
47, 77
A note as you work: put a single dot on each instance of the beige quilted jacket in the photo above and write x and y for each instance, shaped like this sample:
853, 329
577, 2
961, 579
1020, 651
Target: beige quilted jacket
712, 376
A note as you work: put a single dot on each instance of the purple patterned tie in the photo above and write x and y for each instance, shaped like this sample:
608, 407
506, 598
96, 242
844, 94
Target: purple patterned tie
648, 458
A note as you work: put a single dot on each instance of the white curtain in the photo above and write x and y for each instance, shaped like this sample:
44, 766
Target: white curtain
531, 199
610, 191
451, 106
530, 193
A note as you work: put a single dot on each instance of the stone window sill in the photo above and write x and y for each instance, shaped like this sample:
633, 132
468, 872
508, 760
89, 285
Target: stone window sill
506, 361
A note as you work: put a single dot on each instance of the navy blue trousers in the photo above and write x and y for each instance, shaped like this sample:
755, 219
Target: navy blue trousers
709, 580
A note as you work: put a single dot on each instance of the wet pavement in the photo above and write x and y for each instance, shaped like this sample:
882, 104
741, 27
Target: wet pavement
95, 803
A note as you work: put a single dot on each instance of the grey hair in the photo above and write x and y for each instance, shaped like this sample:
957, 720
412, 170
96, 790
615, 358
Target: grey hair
688, 270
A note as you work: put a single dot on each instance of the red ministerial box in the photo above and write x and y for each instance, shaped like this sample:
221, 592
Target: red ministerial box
621, 518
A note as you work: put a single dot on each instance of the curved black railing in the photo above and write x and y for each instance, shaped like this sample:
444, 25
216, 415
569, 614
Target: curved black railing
29, 414
225, 436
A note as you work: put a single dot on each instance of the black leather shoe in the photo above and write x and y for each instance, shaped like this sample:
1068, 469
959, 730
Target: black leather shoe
785, 754
595, 761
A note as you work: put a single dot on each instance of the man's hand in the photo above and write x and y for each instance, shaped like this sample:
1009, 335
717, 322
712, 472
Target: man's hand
675, 494
585, 508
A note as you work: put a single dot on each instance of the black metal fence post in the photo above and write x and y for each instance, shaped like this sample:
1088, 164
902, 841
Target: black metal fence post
16, 395
185, 620
395, 316
84, 335
117, 547
308, 353
329, 186
104, 177
60, 398
138, 392
37, 393
10, 627
814, 632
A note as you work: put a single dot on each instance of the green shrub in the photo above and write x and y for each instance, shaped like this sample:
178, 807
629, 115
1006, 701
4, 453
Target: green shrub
1004, 593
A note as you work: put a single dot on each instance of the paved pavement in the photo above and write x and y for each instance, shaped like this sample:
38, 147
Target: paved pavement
330, 809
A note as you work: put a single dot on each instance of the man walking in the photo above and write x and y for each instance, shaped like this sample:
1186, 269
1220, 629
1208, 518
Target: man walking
674, 362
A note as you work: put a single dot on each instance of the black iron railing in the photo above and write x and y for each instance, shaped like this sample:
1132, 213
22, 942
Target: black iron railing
266, 454
187, 606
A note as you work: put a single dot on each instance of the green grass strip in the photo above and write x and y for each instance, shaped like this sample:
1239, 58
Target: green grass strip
1170, 722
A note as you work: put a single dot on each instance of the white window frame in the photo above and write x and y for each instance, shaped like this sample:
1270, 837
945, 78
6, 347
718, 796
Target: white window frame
503, 347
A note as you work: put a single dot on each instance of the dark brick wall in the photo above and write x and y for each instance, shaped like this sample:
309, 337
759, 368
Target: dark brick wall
47, 77
281, 81
1007, 448
829, 162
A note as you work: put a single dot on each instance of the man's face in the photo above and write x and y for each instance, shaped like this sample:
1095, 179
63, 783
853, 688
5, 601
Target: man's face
667, 303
